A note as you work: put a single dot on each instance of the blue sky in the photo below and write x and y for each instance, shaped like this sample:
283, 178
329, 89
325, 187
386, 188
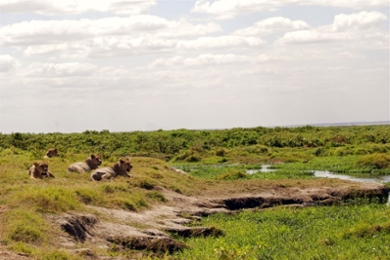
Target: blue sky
127, 65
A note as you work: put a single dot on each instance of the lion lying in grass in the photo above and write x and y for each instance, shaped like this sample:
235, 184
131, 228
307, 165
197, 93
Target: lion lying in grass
40, 170
52, 152
122, 167
88, 165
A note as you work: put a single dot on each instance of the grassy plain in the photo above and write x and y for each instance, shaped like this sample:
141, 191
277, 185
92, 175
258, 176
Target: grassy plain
339, 232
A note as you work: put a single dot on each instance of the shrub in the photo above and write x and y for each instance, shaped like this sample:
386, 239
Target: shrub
220, 152
232, 175
189, 156
376, 161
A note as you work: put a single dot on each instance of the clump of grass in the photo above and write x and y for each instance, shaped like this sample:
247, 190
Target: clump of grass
133, 203
220, 152
157, 196
191, 155
91, 196
22, 247
25, 226
232, 175
107, 189
47, 199
175, 189
125, 203
376, 161
364, 230
57, 254
147, 184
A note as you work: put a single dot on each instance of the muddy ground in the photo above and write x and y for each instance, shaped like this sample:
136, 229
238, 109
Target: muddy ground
91, 234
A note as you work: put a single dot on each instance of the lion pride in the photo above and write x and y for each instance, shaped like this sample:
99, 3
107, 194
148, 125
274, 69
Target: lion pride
88, 165
122, 167
40, 170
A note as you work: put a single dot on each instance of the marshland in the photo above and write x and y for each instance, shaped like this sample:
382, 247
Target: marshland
199, 194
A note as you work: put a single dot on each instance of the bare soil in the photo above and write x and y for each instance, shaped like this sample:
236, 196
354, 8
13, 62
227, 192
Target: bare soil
155, 229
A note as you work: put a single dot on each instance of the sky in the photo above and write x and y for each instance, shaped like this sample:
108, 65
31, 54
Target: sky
141, 65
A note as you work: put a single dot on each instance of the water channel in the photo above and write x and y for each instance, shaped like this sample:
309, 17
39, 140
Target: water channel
327, 174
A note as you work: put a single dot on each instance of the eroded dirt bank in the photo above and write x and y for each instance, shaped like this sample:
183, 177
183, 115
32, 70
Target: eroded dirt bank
91, 234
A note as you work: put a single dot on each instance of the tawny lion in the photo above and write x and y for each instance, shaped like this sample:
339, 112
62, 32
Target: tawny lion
122, 167
88, 165
40, 170
51, 153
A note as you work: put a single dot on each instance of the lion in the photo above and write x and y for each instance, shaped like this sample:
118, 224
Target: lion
122, 167
88, 165
40, 170
51, 153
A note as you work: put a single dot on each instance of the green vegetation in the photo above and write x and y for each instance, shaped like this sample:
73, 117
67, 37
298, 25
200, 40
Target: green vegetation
29, 203
348, 232
347, 145
216, 161
212, 145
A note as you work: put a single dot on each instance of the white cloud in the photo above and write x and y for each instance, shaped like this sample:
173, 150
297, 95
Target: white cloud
354, 4
102, 37
362, 27
228, 41
111, 43
48, 70
7, 63
70, 50
201, 60
273, 25
210, 59
311, 36
41, 32
358, 21
52, 7
227, 9
348, 54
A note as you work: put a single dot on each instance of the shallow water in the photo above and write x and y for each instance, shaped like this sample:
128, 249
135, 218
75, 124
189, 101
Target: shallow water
264, 168
327, 174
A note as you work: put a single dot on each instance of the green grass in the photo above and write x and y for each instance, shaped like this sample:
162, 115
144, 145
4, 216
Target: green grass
27, 203
352, 164
236, 172
214, 163
348, 232
26, 226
